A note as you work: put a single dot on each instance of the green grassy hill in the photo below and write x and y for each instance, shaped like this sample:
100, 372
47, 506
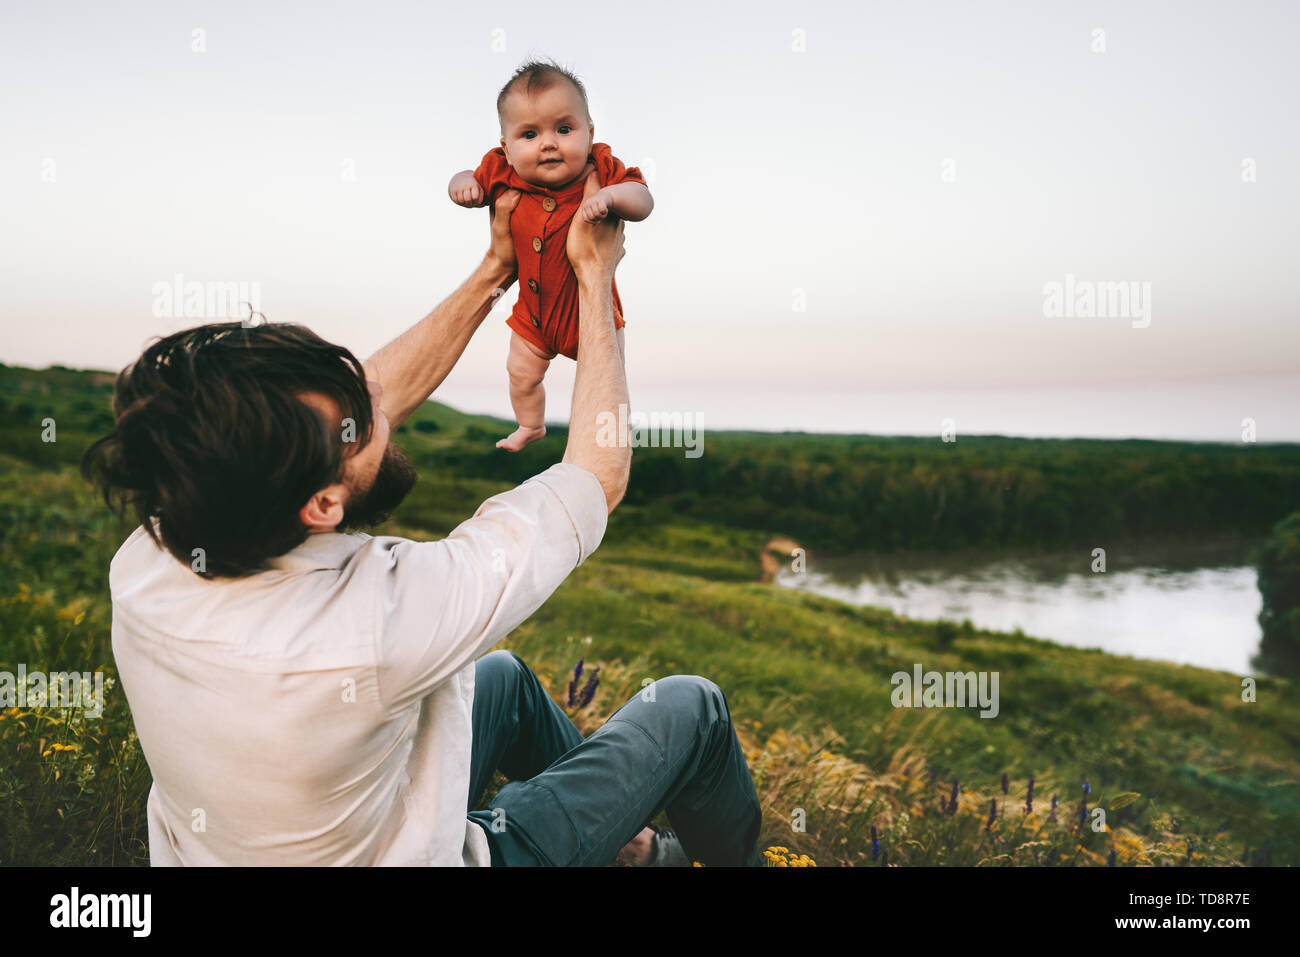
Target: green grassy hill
1188, 772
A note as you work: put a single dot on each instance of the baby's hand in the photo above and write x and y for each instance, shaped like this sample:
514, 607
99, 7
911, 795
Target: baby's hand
464, 190
596, 207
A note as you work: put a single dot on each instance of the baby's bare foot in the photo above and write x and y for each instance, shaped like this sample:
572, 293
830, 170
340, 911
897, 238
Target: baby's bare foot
521, 437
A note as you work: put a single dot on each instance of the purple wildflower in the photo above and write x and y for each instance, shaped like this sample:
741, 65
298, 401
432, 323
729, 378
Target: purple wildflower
1087, 787
589, 691
884, 858
952, 801
1055, 803
875, 844
993, 813
1005, 782
573, 685
1110, 860
1029, 796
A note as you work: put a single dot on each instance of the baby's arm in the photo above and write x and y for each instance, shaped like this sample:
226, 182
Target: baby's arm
464, 190
631, 201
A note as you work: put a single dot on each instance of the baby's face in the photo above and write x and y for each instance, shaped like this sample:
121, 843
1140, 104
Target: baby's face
546, 136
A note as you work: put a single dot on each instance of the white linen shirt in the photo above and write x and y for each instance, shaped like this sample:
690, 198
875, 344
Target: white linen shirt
319, 712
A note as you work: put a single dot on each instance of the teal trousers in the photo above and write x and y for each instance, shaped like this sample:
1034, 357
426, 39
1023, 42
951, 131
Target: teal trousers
575, 802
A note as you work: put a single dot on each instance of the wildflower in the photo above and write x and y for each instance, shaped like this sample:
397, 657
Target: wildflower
1005, 782
993, 813
1087, 788
589, 691
1029, 796
875, 843
952, 801
1055, 801
884, 858
573, 685
1110, 860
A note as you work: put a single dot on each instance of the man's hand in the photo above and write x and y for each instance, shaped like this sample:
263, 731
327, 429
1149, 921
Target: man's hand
503, 247
594, 249
600, 383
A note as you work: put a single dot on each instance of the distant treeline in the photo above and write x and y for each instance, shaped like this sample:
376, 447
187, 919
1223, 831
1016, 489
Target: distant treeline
859, 492
828, 491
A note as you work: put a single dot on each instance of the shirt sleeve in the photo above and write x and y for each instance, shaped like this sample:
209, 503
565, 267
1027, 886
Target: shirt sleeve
443, 604
493, 173
610, 169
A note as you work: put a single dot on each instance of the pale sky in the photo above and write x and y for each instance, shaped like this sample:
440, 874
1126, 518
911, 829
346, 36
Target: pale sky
910, 174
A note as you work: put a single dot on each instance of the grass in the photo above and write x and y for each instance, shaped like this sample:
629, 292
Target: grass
1187, 772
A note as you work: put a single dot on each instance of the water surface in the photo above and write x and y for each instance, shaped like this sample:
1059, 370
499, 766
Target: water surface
1187, 602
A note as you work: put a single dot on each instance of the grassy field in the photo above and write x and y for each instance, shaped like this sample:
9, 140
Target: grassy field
1187, 772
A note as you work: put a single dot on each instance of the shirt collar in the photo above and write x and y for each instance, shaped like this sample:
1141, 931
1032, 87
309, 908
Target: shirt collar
320, 550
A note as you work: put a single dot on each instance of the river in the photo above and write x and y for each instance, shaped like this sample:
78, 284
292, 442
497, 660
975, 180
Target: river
1190, 603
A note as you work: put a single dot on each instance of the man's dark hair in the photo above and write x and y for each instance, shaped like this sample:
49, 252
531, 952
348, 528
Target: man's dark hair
212, 440
538, 75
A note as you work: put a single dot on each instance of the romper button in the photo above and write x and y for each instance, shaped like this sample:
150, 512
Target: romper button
537, 245
536, 323
532, 284
548, 204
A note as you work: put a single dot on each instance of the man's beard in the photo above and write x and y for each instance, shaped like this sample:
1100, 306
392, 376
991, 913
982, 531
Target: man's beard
396, 477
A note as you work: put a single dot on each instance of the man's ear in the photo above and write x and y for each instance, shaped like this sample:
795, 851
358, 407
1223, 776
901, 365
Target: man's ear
324, 510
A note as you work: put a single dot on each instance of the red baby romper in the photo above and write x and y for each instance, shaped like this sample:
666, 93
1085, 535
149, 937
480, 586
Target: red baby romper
546, 312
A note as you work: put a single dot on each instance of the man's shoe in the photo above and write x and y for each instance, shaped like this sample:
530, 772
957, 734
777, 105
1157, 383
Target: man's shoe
665, 849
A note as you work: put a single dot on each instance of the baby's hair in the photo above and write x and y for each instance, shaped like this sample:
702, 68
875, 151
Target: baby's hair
538, 75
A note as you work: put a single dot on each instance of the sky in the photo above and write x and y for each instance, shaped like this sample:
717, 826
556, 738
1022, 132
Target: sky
863, 213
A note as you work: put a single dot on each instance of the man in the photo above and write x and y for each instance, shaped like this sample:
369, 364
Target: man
305, 695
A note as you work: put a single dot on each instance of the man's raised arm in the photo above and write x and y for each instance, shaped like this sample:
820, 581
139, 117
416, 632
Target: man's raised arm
597, 437
414, 364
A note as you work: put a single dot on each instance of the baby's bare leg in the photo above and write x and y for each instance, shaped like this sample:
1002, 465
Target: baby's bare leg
526, 367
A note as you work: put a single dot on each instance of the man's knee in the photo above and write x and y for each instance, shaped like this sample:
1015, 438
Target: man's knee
499, 660
501, 668
691, 692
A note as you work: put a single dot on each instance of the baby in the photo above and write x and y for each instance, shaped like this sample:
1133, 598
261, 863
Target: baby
547, 152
